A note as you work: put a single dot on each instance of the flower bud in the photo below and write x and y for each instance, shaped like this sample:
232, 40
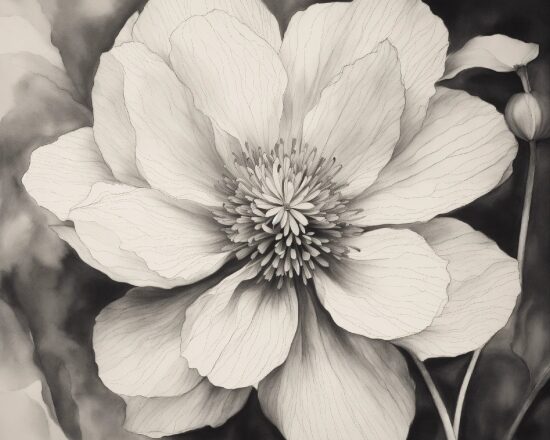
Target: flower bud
528, 116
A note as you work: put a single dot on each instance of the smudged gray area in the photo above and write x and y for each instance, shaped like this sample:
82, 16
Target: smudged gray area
54, 297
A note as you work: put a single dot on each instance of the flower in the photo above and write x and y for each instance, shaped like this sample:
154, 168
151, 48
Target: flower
287, 191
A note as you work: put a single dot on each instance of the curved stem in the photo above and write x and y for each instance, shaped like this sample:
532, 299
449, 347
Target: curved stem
527, 205
524, 77
438, 401
528, 401
463, 389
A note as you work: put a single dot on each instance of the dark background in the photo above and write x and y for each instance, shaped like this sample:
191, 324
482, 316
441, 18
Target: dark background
59, 302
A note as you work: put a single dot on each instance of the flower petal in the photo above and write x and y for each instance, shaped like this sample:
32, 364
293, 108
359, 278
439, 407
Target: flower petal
118, 264
61, 174
236, 77
461, 153
335, 385
125, 34
496, 52
113, 131
204, 405
137, 342
482, 294
320, 41
235, 334
174, 238
174, 141
392, 286
357, 118
160, 18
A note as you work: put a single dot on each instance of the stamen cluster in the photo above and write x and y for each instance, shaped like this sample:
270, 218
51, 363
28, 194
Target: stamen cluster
285, 211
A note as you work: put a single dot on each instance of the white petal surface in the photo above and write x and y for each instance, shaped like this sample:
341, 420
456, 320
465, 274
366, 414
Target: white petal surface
109, 258
204, 405
175, 239
174, 141
236, 77
482, 294
113, 131
335, 385
393, 286
461, 153
137, 343
496, 52
160, 18
61, 174
320, 41
357, 118
235, 334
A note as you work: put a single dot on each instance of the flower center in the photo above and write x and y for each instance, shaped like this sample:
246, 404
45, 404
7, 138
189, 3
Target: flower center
285, 211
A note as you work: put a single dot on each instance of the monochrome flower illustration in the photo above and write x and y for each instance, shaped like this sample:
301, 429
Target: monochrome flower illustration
292, 185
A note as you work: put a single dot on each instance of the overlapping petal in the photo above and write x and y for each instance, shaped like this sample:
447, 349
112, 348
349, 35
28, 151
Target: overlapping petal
392, 285
461, 153
236, 77
239, 331
174, 141
137, 343
113, 130
482, 293
204, 405
357, 118
176, 239
61, 174
338, 385
119, 264
320, 41
160, 18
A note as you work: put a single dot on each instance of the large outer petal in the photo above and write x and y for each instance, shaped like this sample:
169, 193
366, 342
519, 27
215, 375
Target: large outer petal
335, 385
174, 141
461, 153
320, 41
118, 264
235, 76
176, 239
236, 333
357, 118
393, 285
160, 18
61, 174
204, 405
137, 343
482, 294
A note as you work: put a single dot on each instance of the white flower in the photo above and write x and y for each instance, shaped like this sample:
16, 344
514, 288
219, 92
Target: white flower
215, 142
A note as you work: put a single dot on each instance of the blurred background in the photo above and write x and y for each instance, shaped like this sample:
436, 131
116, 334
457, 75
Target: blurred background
49, 298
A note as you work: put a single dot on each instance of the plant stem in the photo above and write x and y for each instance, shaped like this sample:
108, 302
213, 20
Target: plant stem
440, 406
530, 399
521, 257
524, 77
462, 392
527, 206
522, 72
